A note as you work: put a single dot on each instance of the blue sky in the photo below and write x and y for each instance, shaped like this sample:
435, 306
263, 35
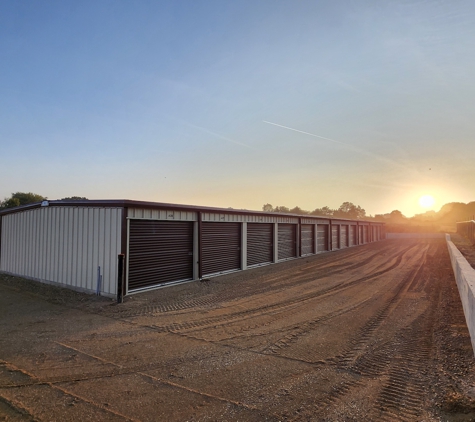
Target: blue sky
173, 102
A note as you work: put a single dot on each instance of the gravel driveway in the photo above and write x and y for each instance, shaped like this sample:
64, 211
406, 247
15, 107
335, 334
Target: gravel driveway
371, 333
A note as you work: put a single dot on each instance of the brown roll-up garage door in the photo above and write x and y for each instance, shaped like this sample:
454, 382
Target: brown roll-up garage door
360, 234
352, 236
335, 237
260, 243
365, 234
159, 252
344, 236
307, 236
322, 238
221, 247
287, 241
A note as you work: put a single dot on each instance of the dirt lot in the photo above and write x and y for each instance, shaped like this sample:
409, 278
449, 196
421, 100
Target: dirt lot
373, 333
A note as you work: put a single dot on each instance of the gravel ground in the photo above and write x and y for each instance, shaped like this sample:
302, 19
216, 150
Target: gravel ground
372, 333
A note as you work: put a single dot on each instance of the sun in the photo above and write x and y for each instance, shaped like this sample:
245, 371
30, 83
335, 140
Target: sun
426, 201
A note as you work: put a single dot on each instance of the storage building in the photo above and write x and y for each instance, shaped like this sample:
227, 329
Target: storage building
121, 247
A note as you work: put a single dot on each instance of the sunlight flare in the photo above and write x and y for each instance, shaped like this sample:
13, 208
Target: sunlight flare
426, 201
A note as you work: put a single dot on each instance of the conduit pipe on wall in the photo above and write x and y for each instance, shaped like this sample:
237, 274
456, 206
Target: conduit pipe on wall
99, 281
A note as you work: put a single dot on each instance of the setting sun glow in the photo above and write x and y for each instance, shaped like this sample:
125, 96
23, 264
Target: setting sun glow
426, 201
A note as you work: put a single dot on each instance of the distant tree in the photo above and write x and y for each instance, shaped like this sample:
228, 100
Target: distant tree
324, 211
456, 211
396, 214
380, 217
424, 217
21, 198
281, 208
397, 217
350, 210
74, 198
298, 210
267, 208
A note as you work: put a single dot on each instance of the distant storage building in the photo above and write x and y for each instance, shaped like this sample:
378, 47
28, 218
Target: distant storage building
87, 245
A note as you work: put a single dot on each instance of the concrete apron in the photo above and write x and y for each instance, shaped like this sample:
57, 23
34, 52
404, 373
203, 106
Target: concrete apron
415, 235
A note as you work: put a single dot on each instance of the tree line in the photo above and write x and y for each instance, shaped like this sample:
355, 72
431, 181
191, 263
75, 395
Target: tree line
448, 214
346, 210
24, 198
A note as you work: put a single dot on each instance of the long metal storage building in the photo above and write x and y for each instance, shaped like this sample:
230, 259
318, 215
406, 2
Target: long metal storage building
121, 247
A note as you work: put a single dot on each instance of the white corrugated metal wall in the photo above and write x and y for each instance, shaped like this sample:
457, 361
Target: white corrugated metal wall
66, 244
63, 245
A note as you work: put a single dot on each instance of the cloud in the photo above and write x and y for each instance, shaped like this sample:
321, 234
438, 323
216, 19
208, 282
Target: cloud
217, 135
349, 146
307, 133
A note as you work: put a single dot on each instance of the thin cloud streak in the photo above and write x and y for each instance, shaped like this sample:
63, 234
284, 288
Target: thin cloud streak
361, 151
217, 135
307, 133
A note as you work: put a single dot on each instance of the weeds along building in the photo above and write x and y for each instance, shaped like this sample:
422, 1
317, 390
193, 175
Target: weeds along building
121, 247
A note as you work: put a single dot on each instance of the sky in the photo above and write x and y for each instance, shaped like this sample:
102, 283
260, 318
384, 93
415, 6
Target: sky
240, 103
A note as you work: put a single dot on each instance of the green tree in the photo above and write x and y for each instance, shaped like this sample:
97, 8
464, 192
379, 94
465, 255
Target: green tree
324, 211
281, 208
397, 217
21, 198
298, 210
350, 210
267, 207
74, 198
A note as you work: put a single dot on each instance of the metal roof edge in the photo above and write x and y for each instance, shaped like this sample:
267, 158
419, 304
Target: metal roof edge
126, 203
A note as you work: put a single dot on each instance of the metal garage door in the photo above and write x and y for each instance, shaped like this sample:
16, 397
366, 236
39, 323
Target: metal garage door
365, 234
344, 235
260, 243
322, 238
221, 247
335, 237
360, 234
287, 241
352, 236
307, 236
159, 252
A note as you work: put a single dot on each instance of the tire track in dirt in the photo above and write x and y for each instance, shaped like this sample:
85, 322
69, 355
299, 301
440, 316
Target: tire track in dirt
100, 411
359, 346
300, 331
279, 306
397, 364
339, 265
381, 356
368, 328
292, 331
245, 289
309, 274
404, 393
11, 410
342, 268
